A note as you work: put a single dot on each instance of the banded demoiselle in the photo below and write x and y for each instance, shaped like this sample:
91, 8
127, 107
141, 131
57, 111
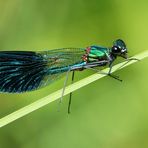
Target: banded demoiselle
23, 71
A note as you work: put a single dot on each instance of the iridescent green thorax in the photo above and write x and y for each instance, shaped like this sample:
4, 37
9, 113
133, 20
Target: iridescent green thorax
96, 53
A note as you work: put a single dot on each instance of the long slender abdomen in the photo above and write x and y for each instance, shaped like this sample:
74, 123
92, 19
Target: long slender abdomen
63, 69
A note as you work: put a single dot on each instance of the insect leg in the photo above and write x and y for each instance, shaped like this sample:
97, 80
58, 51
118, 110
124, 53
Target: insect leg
65, 82
110, 67
100, 72
128, 60
70, 97
115, 77
111, 75
96, 64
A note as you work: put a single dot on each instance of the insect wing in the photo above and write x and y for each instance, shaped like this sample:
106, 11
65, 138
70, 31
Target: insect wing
22, 71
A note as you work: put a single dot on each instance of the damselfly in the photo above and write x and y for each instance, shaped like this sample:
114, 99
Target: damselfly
23, 71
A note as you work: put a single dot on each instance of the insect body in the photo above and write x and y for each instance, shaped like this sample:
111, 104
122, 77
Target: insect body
22, 71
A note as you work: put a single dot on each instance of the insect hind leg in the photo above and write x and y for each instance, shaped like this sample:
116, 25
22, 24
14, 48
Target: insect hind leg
70, 96
65, 82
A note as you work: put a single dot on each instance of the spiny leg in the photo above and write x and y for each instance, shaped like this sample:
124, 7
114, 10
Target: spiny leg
70, 96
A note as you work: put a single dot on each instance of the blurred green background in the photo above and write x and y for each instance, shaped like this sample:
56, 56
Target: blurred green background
106, 113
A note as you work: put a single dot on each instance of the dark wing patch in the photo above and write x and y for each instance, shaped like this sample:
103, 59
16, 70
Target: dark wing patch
21, 71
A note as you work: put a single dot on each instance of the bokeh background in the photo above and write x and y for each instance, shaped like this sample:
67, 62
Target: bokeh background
106, 113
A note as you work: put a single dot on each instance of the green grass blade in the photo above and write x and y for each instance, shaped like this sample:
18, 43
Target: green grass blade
54, 96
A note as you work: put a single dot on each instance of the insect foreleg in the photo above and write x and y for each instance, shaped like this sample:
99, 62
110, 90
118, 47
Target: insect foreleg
127, 61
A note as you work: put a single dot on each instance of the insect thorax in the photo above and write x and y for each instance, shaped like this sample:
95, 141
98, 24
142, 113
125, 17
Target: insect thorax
95, 53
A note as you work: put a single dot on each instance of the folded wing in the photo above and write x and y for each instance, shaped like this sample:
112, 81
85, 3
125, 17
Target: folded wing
22, 71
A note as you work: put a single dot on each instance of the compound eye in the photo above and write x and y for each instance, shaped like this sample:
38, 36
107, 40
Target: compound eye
116, 49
